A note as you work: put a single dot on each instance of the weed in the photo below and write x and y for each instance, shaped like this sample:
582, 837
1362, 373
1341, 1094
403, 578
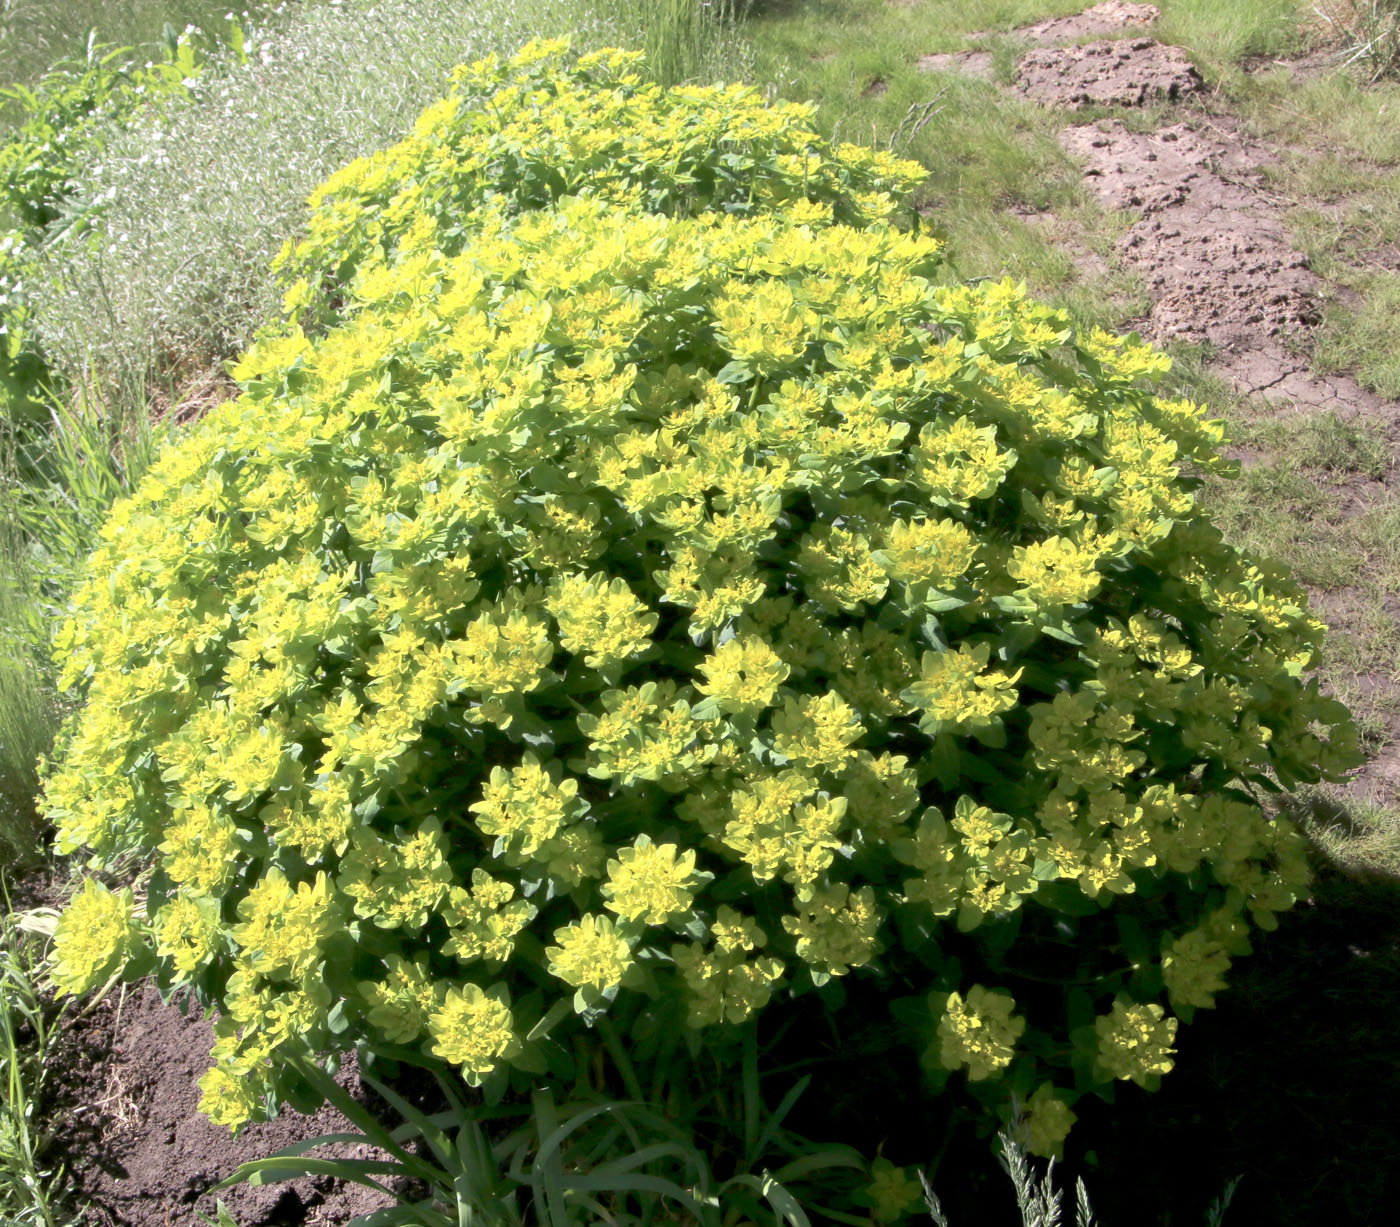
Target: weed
1042, 1204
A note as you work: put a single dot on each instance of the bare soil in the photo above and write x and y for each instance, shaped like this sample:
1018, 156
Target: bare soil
969, 63
1111, 17
1125, 72
1216, 257
135, 1147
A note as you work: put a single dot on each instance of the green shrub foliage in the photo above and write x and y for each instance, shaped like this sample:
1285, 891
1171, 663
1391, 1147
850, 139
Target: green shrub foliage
641, 587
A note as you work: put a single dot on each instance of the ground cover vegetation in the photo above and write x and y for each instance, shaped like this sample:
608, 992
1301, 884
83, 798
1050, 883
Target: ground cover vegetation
680, 765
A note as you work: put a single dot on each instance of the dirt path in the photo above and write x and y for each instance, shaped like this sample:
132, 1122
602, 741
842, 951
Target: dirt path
1211, 245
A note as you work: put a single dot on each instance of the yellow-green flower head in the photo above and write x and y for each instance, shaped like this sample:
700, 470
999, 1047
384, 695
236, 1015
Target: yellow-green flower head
591, 954
485, 921
1047, 1122
230, 1098
651, 884
1135, 1041
736, 933
400, 1004
958, 692
188, 933
892, 1190
472, 1029
1194, 968
600, 619
1057, 571
94, 938
396, 882
526, 806
836, 929
817, 733
933, 552
722, 986
979, 1033
743, 675
283, 927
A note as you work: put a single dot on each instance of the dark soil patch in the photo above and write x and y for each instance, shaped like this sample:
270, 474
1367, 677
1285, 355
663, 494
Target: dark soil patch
123, 1101
1130, 72
1285, 1084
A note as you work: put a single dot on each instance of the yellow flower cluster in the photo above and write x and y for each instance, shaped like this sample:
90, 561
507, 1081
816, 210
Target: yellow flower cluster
636, 583
979, 1033
1135, 1041
94, 938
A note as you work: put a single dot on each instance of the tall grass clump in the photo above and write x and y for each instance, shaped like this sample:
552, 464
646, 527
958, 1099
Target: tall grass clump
27, 714
27, 1185
687, 40
1369, 34
180, 217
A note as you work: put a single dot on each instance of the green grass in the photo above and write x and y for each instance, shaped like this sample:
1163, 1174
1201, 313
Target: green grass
27, 1185
1221, 33
27, 720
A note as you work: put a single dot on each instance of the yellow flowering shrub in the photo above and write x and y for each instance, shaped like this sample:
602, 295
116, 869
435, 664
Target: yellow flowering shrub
648, 590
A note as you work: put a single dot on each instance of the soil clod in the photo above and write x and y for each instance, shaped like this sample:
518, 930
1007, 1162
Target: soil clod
1127, 72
